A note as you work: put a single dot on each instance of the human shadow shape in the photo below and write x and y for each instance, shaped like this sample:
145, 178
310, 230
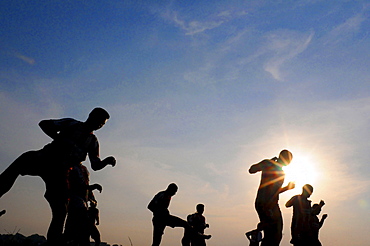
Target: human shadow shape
305, 224
255, 236
161, 215
72, 141
316, 224
77, 228
301, 214
94, 220
266, 203
197, 222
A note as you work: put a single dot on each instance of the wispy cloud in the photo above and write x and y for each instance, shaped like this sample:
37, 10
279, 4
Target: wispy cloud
194, 27
26, 59
284, 45
347, 29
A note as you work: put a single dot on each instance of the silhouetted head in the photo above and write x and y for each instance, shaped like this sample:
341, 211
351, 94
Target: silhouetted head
261, 226
97, 118
172, 189
200, 208
307, 190
285, 157
316, 209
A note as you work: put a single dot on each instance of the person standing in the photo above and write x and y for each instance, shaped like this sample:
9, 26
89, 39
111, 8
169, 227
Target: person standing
198, 222
301, 214
316, 224
80, 192
266, 203
72, 141
93, 215
161, 215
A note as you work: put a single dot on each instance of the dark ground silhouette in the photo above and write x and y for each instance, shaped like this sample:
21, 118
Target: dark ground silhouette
59, 164
18, 239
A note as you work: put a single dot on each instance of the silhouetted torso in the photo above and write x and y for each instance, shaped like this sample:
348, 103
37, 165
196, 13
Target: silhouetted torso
93, 214
301, 210
197, 221
272, 179
78, 186
74, 141
160, 203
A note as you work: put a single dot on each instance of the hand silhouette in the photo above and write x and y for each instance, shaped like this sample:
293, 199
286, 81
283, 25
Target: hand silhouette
291, 185
110, 160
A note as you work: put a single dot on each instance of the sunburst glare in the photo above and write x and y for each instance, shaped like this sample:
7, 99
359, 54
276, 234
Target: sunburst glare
301, 171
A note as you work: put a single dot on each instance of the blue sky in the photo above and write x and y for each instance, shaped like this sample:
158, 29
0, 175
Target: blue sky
198, 91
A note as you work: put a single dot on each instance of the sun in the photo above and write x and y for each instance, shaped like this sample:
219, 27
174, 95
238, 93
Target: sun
302, 171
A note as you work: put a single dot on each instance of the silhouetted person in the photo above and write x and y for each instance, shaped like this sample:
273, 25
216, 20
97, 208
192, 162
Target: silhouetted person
80, 192
315, 224
255, 236
72, 142
266, 204
198, 223
161, 215
301, 214
2, 212
93, 215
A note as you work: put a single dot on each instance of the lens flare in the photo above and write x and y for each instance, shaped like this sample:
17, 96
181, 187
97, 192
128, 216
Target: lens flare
301, 171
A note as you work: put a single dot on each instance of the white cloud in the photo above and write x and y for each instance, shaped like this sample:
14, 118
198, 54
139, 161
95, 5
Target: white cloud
345, 30
284, 45
195, 27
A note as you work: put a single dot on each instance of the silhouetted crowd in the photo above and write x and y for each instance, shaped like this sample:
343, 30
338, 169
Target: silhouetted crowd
305, 223
74, 208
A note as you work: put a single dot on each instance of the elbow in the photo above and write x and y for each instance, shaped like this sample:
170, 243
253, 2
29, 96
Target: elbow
254, 168
94, 168
96, 164
42, 124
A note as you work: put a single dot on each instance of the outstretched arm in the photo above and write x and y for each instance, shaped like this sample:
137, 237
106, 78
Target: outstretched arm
290, 202
290, 186
255, 168
96, 162
323, 219
321, 204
